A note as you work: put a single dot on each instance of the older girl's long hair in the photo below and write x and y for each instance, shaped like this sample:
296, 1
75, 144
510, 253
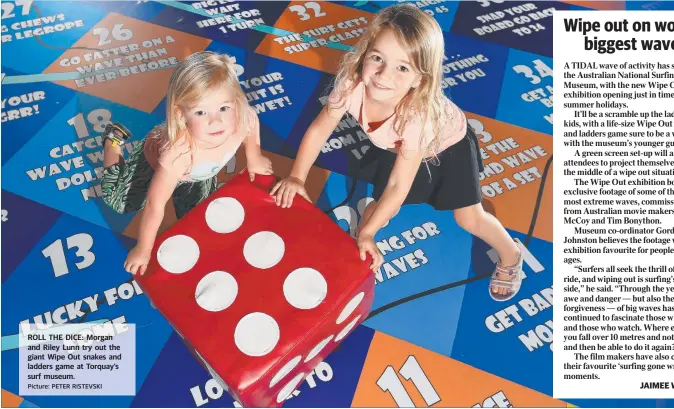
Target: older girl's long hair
421, 37
191, 78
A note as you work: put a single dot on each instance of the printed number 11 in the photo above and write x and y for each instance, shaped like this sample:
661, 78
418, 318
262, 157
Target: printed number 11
389, 382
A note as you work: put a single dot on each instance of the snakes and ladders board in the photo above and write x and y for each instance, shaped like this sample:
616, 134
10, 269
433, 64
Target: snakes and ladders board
70, 68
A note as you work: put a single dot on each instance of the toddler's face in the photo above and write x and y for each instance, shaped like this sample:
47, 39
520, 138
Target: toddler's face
387, 70
213, 116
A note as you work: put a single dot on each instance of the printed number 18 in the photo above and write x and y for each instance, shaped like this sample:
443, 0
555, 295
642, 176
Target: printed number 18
99, 118
411, 370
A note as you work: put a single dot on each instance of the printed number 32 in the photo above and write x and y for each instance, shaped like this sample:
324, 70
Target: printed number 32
301, 10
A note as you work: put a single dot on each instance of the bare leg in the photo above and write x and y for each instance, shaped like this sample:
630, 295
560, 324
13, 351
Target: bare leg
487, 227
112, 155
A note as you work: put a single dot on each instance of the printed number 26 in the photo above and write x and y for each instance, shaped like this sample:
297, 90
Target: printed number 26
301, 10
118, 33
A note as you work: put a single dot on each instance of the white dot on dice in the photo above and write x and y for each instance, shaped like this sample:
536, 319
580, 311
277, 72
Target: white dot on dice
346, 329
285, 370
305, 288
224, 215
178, 254
216, 291
264, 249
350, 307
289, 388
257, 334
318, 348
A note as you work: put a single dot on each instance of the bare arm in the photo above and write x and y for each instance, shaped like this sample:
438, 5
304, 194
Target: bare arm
318, 133
399, 184
161, 187
252, 140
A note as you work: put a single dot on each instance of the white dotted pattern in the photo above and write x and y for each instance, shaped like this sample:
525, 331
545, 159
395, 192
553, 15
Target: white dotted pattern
224, 215
264, 249
216, 291
256, 334
290, 387
285, 370
318, 348
305, 288
178, 254
350, 307
347, 329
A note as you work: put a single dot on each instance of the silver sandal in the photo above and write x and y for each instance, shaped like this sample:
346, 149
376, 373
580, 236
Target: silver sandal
513, 283
117, 134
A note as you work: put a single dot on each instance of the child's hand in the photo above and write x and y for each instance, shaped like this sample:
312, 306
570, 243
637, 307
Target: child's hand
137, 260
286, 190
366, 245
259, 165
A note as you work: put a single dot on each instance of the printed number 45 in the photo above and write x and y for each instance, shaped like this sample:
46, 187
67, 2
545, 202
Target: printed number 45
411, 370
302, 10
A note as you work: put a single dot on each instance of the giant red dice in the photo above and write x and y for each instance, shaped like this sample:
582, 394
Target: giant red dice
261, 293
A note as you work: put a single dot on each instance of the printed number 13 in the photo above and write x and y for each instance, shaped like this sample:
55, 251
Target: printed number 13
411, 370
83, 242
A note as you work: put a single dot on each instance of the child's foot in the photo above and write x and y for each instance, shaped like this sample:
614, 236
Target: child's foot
506, 280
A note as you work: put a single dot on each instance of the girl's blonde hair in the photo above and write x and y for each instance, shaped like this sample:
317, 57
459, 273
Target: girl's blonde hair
190, 80
421, 37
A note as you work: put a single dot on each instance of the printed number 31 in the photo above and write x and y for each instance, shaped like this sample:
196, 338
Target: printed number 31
411, 370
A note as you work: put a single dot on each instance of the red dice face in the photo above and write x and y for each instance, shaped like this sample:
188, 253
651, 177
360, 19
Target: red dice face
261, 293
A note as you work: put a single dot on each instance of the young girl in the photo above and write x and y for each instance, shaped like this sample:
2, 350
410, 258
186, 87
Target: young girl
207, 119
391, 84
